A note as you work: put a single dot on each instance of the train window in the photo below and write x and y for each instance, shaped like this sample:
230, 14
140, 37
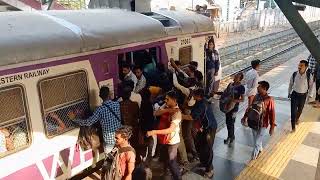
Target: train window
15, 132
63, 99
185, 55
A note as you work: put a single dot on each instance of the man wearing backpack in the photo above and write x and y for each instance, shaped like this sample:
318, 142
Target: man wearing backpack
260, 114
300, 83
120, 162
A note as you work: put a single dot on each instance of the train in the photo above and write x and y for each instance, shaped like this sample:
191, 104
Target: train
56, 61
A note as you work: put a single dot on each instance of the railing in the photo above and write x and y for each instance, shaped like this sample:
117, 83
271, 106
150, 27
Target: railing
73, 4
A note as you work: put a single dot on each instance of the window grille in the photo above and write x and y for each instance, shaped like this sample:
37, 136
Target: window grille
64, 98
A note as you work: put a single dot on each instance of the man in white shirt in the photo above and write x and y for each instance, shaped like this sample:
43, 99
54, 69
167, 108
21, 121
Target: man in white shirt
173, 132
300, 83
141, 79
128, 74
251, 80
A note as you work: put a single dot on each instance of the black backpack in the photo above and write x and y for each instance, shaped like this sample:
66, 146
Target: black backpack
226, 103
256, 113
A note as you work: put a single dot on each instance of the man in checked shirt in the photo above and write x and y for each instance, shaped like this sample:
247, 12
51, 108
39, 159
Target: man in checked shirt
108, 114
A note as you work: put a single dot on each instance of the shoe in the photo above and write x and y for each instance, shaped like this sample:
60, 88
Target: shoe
208, 174
227, 141
297, 122
231, 142
293, 131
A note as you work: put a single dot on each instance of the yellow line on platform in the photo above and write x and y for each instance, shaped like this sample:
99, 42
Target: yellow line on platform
279, 150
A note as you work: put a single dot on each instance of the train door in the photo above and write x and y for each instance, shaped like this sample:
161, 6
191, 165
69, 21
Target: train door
148, 59
105, 68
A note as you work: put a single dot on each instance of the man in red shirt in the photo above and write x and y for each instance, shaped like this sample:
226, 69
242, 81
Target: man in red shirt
267, 117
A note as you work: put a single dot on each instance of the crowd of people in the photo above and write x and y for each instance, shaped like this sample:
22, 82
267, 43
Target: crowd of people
173, 121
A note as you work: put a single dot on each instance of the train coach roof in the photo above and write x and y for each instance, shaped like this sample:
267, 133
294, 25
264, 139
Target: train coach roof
190, 22
30, 36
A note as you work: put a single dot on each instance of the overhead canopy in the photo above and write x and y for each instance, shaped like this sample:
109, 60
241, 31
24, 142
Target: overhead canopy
29, 36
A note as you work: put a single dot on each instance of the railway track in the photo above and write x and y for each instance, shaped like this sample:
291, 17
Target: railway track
280, 54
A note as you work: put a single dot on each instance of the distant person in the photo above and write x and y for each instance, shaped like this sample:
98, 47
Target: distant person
108, 115
315, 71
300, 83
213, 67
6, 141
138, 71
128, 75
251, 80
259, 116
229, 104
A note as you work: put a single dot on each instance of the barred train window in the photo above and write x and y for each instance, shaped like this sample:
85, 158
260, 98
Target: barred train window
14, 121
185, 55
63, 98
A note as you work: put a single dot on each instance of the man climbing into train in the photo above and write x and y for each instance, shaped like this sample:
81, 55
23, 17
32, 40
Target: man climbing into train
108, 115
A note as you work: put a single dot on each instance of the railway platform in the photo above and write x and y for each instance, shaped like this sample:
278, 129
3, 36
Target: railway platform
286, 155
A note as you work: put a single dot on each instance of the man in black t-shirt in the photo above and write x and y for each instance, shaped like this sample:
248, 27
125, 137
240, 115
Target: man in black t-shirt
237, 92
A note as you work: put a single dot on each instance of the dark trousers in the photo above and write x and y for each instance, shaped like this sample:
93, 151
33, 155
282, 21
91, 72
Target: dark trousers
148, 147
188, 138
297, 104
317, 88
170, 152
204, 144
230, 120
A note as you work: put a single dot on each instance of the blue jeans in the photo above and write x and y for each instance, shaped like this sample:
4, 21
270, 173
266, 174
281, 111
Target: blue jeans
257, 140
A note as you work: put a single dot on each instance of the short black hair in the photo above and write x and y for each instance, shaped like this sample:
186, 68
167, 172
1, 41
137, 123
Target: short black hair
137, 67
192, 68
255, 63
306, 63
194, 63
264, 84
178, 63
125, 132
211, 41
198, 75
241, 75
128, 83
104, 92
173, 95
199, 92
126, 92
126, 65
191, 82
